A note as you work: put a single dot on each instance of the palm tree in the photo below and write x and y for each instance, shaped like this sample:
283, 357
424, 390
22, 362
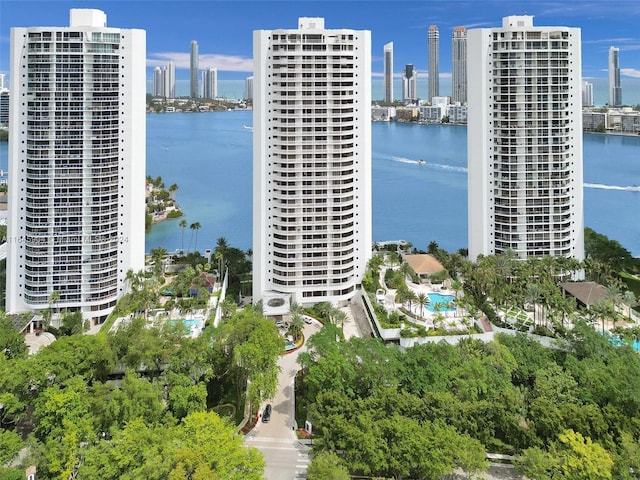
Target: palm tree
222, 245
192, 227
196, 226
173, 188
602, 309
228, 307
182, 225
295, 309
631, 301
157, 254
405, 270
532, 295
411, 297
338, 316
324, 310
295, 326
423, 299
54, 298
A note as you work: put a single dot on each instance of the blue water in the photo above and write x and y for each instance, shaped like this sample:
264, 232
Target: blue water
442, 300
618, 342
187, 322
209, 155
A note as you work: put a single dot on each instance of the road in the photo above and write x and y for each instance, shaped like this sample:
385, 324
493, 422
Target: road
286, 458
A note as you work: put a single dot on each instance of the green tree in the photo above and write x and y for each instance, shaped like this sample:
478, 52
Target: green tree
72, 323
195, 226
572, 457
205, 447
10, 445
296, 325
327, 466
185, 397
139, 450
182, 224
11, 341
251, 345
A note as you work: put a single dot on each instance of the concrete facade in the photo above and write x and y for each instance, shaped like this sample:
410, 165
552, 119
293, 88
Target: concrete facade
525, 140
77, 158
312, 162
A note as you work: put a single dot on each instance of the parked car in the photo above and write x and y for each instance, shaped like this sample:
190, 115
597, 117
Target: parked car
307, 320
266, 415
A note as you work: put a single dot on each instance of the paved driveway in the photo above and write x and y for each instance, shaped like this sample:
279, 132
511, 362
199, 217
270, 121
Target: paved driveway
286, 458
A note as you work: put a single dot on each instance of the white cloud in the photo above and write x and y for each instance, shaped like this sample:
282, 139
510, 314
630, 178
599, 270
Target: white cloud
224, 63
630, 72
611, 41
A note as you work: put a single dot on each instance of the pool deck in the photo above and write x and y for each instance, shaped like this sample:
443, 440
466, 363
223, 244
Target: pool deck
157, 317
452, 319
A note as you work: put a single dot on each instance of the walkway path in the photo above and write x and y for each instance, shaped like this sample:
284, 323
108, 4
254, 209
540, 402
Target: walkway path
286, 458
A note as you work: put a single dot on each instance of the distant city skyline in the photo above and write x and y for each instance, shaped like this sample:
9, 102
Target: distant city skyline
225, 39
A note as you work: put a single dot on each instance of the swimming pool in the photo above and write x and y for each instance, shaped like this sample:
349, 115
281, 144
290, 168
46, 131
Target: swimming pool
618, 342
190, 323
444, 302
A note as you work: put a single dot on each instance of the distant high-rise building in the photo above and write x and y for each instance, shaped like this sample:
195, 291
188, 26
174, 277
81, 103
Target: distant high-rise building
194, 90
409, 84
4, 107
77, 163
4, 102
210, 83
388, 73
169, 75
525, 141
587, 94
248, 88
459, 65
615, 90
434, 59
158, 82
311, 164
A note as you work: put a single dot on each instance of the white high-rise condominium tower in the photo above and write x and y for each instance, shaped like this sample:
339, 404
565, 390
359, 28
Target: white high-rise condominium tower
311, 163
193, 84
587, 94
459, 65
388, 72
615, 90
409, 84
525, 140
169, 80
158, 82
77, 163
210, 83
248, 88
434, 59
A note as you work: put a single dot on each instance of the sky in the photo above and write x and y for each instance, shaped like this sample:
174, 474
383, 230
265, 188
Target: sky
224, 29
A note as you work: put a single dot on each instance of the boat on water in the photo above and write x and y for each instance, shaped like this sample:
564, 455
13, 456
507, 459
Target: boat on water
420, 162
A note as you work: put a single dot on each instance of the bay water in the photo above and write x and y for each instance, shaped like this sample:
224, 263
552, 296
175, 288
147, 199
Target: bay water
209, 156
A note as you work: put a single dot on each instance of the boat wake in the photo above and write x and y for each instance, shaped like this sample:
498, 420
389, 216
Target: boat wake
437, 166
629, 188
452, 168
